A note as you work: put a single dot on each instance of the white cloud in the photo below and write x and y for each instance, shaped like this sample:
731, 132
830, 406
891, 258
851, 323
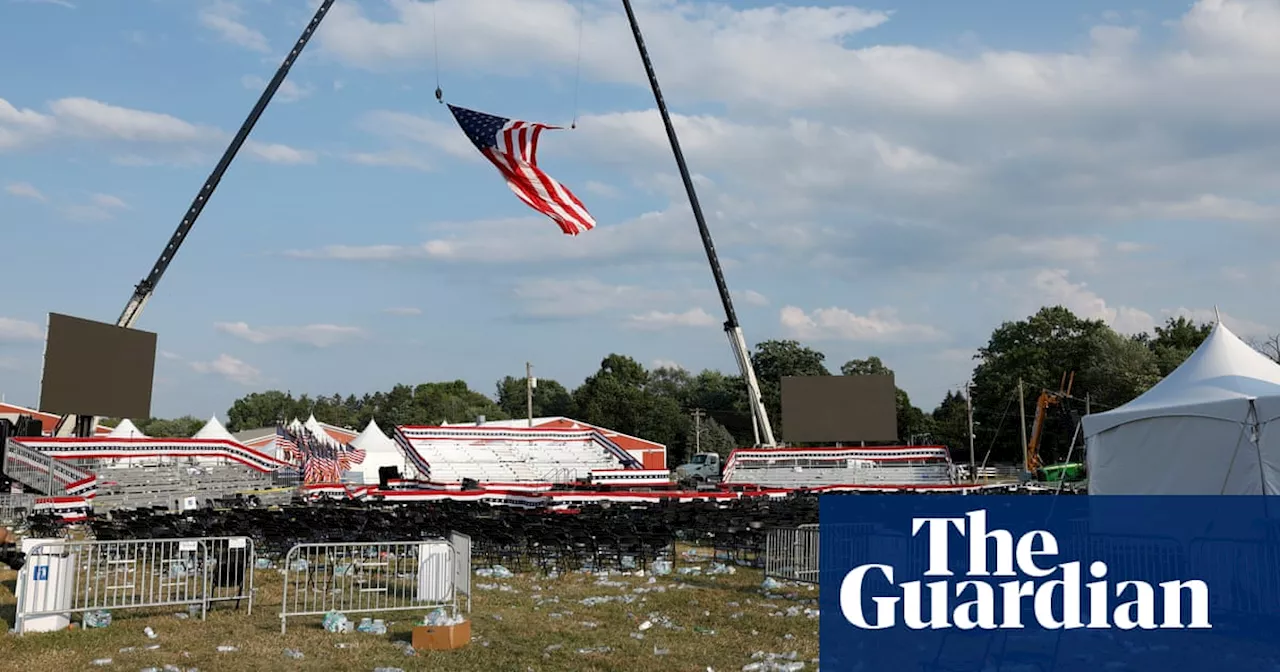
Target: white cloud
391, 158
19, 330
753, 297
223, 18
317, 335
1242, 327
601, 189
289, 91
230, 368
165, 354
879, 325
165, 138
25, 190
580, 297
665, 364
1053, 286
93, 118
656, 319
277, 153
403, 311
101, 207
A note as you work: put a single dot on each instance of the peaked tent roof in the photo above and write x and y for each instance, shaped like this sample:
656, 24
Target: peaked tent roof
372, 438
127, 430
214, 430
313, 427
1222, 370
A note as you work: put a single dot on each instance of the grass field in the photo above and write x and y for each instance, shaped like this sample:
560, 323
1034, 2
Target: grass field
528, 622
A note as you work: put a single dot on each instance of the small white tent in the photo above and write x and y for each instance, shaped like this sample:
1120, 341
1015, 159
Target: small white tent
127, 430
380, 451
214, 430
1203, 430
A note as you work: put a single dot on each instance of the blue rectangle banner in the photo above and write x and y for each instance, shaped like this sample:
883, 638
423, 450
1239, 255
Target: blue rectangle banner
952, 583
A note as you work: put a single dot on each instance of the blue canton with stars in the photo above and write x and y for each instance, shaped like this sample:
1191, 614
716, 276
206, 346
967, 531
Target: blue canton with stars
481, 128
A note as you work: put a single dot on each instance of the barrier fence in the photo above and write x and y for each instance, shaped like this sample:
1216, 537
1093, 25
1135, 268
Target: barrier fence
371, 577
15, 507
61, 578
791, 554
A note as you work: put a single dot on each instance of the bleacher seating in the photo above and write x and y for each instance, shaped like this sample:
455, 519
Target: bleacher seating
818, 467
545, 457
170, 485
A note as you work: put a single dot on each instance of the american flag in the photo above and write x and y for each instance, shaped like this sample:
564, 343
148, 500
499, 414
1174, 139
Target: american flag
357, 455
286, 443
512, 146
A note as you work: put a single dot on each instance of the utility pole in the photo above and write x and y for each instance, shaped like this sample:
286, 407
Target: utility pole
529, 383
1022, 422
697, 430
968, 406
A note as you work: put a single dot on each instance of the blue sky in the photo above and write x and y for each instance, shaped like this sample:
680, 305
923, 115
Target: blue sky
892, 179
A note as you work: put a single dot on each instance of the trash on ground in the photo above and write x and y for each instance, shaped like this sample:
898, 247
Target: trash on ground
101, 662
336, 621
372, 626
96, 619
151, 634
294, 654
496, 572
227, 648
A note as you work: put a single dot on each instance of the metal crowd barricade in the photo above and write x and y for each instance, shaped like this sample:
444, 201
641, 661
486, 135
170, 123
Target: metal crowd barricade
230, 564
375, 577
15, 507
1227, 565
461, 547
61, 578
791, 554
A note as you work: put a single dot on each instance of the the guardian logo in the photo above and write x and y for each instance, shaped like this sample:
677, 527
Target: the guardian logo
987, 604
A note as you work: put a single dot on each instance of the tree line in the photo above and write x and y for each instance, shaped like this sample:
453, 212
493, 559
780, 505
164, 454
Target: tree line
709, 409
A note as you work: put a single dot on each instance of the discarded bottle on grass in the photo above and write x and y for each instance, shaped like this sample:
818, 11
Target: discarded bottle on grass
293, 653
96, 619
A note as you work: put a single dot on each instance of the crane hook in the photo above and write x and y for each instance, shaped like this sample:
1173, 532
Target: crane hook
439, 95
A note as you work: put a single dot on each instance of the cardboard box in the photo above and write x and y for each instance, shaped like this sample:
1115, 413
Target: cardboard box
441, 637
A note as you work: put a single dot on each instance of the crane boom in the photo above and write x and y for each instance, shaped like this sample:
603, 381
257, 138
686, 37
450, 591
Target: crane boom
143, 291
731, 327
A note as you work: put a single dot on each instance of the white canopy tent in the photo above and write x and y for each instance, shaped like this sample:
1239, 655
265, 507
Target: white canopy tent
380, 451
127, 430
1206, 429
214, 430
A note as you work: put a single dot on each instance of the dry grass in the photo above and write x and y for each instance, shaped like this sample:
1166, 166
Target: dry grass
721, 620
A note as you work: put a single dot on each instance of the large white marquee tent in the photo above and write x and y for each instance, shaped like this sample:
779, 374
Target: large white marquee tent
1209, 428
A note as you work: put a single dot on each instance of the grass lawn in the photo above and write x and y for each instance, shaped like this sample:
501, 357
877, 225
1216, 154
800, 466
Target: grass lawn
528, 622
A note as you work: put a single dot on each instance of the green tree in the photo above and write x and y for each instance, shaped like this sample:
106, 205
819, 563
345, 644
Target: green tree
951, 424
709, 436
179, 428
775, 360
618, 397
550, 398
1039, 351
1119, 369
912, 422
1174, 342
265, 409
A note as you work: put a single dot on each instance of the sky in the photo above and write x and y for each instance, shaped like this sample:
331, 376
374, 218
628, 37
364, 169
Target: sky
892, 179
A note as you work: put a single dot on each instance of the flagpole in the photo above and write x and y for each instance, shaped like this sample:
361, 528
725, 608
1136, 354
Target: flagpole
731, 326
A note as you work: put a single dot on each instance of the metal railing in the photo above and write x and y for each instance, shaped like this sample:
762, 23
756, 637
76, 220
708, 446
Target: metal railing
15, 507
44, 473
61, 578
375, 577
65, 577
791, 554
